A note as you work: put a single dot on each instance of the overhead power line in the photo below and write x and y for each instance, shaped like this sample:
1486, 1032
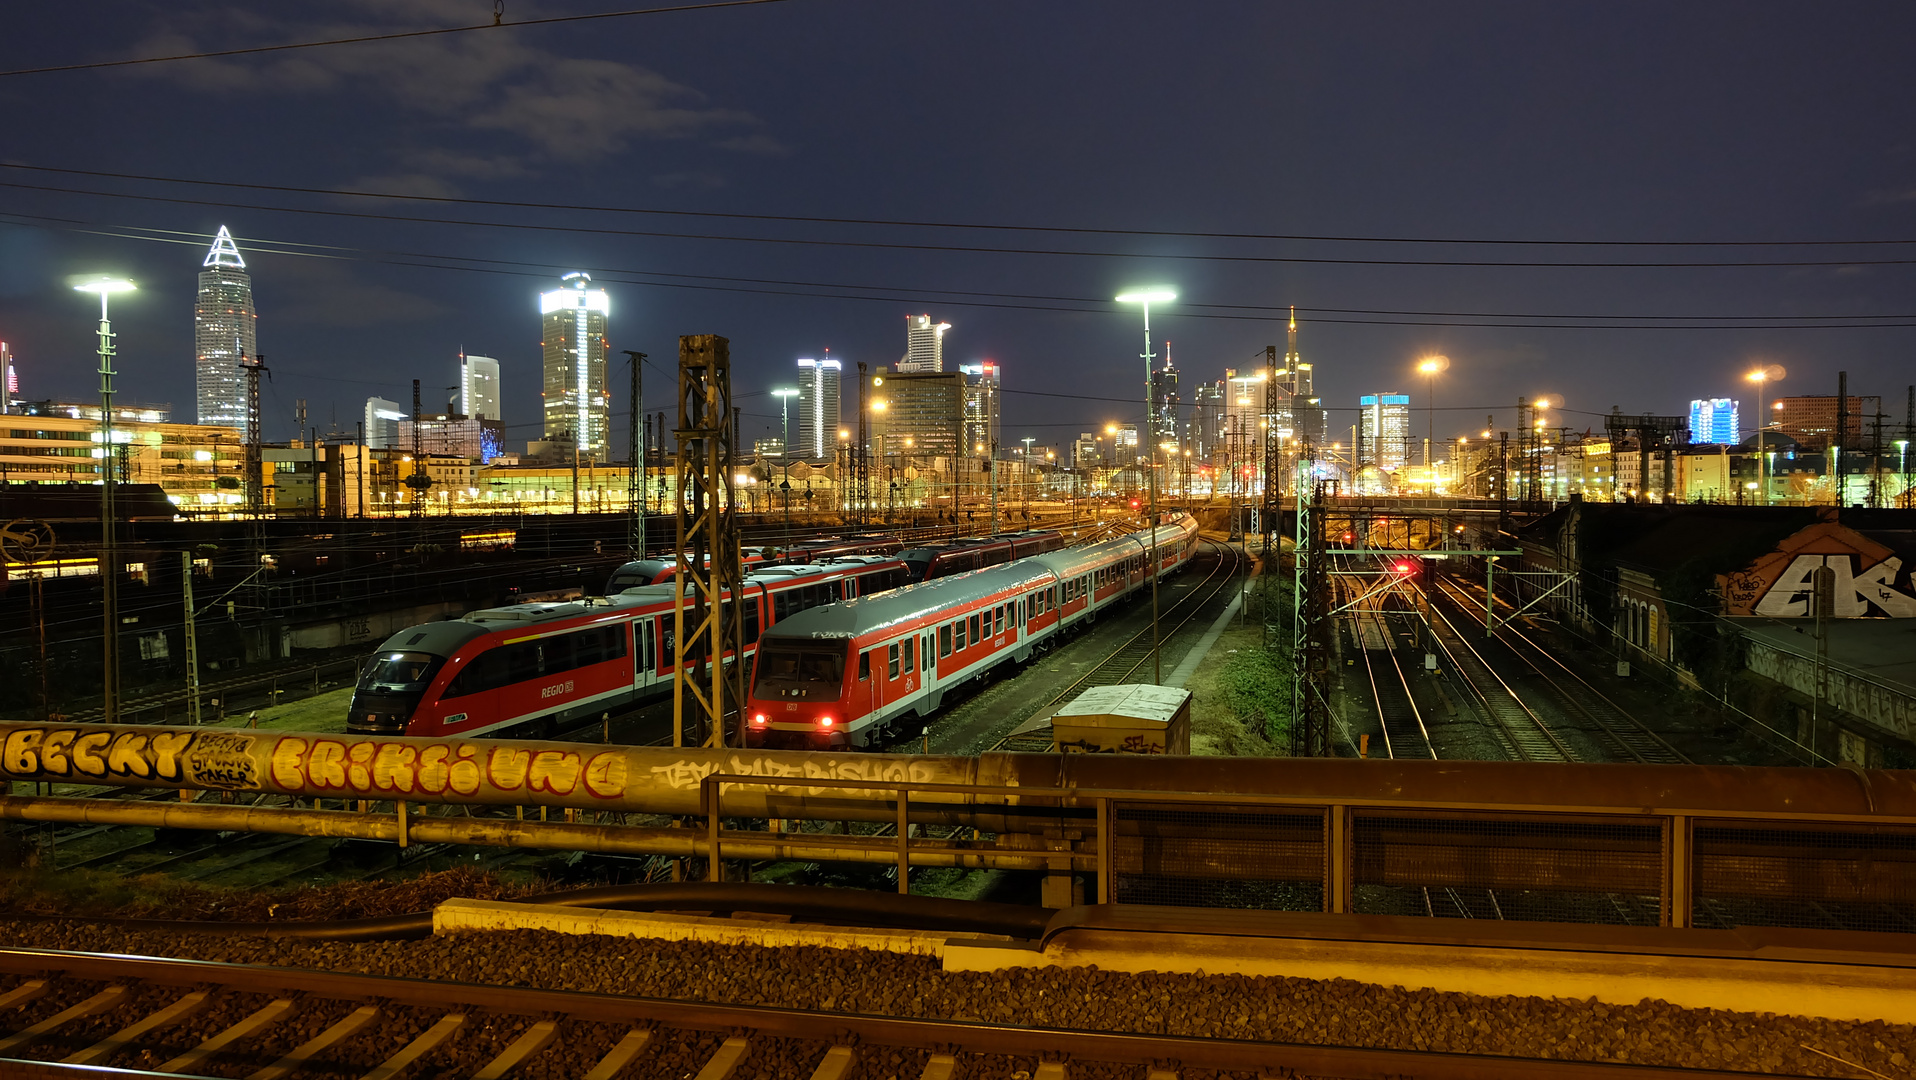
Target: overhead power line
393, 36
458, 200
1014, 301
599, 230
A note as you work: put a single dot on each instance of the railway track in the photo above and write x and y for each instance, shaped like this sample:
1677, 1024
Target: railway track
77, 1014
1525, 734
1402, 723
1614, 725
1124, 661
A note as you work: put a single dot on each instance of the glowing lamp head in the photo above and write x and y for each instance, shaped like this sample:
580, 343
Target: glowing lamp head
1159, 295
824, 721
758, 719
104, 285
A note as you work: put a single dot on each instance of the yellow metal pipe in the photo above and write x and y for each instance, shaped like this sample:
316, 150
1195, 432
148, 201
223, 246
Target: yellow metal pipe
505, 832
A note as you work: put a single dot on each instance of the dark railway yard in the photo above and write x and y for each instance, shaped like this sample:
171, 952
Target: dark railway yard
409, 1002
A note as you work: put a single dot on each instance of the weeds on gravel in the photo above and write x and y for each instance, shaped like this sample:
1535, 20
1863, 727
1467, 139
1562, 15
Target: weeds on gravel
1256, 688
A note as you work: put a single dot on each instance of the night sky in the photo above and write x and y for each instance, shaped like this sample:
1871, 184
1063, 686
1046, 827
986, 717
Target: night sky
1415, 133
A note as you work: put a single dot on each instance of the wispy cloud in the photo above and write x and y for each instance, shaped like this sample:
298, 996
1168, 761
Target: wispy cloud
554, 106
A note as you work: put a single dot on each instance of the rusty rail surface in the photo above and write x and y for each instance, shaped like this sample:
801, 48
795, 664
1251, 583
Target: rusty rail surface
838, 1038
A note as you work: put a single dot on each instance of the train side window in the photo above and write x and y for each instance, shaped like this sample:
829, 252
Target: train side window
1053, 602
751, 620
958, 636
908, 648
998, 620
944, 640
891, 661
972, 624
864, 666
648, 644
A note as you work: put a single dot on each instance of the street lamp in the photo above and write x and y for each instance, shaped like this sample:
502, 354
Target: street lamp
1145, 298
1430, 367
1902, 469
1762, 376
784, 394
109, 532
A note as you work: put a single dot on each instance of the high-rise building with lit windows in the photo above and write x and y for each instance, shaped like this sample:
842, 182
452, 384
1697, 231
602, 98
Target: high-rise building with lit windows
577, 404
1384, 431
224, 333
381, 430
479, 387
818, 415
1713, 421
981, 408
924, 345
9, 380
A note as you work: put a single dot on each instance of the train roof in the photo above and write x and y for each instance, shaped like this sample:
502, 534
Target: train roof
438, 638
896, 607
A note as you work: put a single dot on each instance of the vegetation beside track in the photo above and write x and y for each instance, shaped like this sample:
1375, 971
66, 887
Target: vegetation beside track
87, 894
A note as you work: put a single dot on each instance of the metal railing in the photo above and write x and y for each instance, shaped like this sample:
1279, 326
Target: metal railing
1657, 866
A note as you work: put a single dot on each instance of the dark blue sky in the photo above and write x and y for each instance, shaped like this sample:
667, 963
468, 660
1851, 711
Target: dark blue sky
1741, 121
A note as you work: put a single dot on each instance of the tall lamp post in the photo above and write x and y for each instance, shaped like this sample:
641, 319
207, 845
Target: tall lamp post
1762, 376
109, 526
785, 394
1145, 298
1430, 367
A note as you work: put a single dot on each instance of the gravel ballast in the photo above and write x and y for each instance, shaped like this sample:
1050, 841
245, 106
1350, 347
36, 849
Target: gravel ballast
1330, 1012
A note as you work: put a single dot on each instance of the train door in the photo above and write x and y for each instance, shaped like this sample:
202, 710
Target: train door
864, 697
645, 653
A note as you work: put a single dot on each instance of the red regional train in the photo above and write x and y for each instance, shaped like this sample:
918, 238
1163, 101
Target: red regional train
806, 552
848, 674
960, 556
536, 667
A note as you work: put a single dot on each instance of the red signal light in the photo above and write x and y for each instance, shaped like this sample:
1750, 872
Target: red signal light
1134, 504
1404, 568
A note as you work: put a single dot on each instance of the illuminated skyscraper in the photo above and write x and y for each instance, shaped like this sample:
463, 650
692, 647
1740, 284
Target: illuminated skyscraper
924, 345
981, 408
818, 415
382, 423
577, 405
1384, 431
1164, 401
223, 332
9, 380
1713, 420
479, 387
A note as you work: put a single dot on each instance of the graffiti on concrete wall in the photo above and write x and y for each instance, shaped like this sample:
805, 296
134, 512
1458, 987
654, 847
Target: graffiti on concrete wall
1868, 579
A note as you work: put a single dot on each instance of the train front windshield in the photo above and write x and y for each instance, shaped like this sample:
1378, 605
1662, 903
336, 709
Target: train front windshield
789, 669
389, 689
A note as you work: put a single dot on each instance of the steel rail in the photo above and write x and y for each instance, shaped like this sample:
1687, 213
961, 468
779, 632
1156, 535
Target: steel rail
828, 1030
1529, 736
1628, 734
1388, 718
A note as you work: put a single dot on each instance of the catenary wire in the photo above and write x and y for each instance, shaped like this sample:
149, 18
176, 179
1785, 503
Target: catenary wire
457, 200
975, 249
816, 289
392, 36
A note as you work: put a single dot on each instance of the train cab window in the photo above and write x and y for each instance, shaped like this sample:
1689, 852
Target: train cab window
864, 667
998, 620
944, 640
973, 624
907, 648
891, 661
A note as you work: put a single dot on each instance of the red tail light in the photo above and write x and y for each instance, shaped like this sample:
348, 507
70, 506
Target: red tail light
758, 718
824, 721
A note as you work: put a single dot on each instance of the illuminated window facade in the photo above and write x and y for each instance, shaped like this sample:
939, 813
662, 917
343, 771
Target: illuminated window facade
924, 345
577, 406
224, 330
818, 415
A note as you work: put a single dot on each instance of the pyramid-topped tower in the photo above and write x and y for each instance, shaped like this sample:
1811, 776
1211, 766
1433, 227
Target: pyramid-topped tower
224, 332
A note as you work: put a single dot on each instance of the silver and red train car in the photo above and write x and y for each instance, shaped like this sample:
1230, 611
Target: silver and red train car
976, 553
533, 668
849, 674
814, 552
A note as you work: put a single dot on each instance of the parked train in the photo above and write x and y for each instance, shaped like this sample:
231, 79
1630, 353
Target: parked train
806, 552
976, 553
532, 668
848, 674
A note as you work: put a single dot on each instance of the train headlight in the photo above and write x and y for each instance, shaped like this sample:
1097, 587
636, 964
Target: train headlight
758, 719
824, 721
